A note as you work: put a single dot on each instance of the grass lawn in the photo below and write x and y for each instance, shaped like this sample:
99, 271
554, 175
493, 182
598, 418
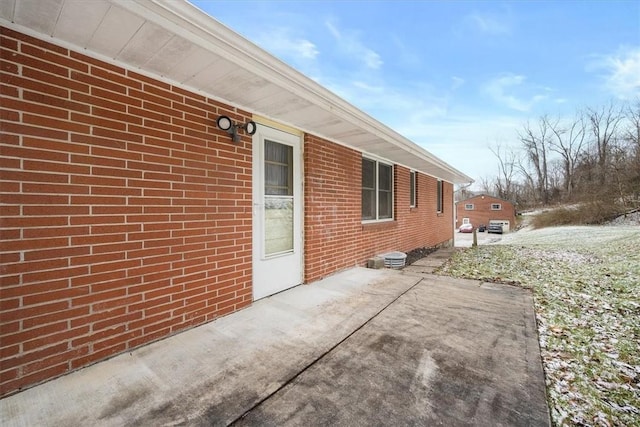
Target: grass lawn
586, 286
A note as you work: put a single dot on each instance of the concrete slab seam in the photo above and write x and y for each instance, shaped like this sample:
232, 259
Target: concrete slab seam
322, 356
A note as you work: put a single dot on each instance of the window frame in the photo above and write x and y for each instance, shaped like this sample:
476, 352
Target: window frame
376, 190
413, 189
469, 207
498, 208
440, 196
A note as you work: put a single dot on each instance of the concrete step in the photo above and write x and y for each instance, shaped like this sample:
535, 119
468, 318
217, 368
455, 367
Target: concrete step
430, 263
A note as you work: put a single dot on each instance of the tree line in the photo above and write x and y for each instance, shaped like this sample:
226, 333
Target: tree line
593, 156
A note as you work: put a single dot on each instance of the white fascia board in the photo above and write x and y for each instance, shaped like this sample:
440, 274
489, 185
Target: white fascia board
189, 22
196, 26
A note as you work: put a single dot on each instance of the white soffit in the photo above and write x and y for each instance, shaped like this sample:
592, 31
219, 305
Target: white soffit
175, 41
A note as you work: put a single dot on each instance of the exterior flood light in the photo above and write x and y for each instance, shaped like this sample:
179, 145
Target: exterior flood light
226, 124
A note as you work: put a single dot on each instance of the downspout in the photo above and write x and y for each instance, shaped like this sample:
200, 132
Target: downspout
453, 218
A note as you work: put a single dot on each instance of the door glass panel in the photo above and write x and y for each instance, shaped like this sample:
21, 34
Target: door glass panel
278, 169
278, 222
278, 198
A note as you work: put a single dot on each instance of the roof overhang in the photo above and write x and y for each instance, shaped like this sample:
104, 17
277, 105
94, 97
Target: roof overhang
176, 42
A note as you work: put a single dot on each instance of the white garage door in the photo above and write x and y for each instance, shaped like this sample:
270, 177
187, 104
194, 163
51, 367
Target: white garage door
504, 224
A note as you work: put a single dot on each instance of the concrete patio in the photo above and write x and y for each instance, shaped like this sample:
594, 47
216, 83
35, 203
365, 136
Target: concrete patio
362, 347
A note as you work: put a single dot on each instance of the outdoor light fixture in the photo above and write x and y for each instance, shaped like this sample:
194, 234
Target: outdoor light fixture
225, 123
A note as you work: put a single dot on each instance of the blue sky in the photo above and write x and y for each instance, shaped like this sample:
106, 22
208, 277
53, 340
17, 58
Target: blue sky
453, 76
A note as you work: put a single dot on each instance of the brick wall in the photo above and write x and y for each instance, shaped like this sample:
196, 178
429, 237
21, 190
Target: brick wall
482, 212
126, 214
335, 237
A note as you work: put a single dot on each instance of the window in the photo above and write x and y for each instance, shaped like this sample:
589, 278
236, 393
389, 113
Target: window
377, 190
440, 198
278, 169
278, 198
466, 221
496, 207
413, 189
468, 207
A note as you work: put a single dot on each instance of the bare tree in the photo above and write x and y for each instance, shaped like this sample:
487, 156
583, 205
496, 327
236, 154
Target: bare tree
604, 124
568, 141
535, 143
632, 133
463, 192
592, 157
528, 193
555, 178
487, 185
507, 160
631, 136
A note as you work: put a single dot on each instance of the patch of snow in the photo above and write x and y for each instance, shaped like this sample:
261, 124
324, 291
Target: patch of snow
569, 236
628, 219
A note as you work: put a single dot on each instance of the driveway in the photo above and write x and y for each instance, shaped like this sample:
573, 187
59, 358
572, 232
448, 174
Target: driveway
362, 347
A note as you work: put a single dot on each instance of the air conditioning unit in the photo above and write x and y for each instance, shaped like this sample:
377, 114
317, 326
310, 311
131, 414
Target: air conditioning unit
394, 259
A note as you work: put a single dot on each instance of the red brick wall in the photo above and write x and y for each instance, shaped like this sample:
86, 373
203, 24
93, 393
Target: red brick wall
335, 237
482, 213
126, 214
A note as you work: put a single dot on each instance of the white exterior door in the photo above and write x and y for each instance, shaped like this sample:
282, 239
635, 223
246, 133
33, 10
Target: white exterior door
277, 211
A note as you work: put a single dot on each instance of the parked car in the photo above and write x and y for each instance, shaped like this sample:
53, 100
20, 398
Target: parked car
494, 228
482, 228
466, 228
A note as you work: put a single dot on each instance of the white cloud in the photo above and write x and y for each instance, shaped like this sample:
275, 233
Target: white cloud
489, 24
281, 42
371, 59
391, 102
460, 130
403, 54
456, 82
333, 30
504, 90
307, 49
463, 140
621, 72
368, 87
350, 44
423, 115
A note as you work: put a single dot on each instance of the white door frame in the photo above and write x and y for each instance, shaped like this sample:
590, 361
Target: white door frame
275, 273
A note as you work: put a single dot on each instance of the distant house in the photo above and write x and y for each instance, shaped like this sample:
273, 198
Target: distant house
160, 171
485, 209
